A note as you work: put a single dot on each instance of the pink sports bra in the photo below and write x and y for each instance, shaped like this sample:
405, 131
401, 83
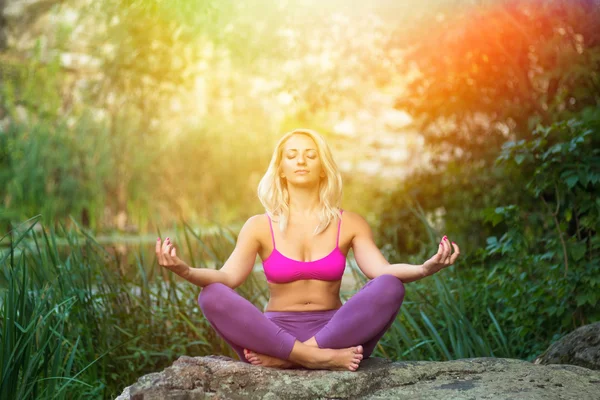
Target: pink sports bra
281, 269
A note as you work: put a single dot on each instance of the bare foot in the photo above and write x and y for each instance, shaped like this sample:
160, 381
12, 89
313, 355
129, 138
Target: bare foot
267, 361
333, 359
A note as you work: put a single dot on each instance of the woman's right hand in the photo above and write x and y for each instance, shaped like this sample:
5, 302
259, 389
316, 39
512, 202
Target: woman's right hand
166, 254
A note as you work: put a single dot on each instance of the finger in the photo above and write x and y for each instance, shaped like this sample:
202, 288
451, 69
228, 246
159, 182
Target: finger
437, 257
168, 243
449, 257
173, 253
159, 251
446, 248
456, 253
165, 244
441, 249
166, 254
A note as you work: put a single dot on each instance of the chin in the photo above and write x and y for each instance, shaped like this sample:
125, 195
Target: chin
305, 182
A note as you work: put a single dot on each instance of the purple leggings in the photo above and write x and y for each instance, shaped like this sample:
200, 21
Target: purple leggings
363, 320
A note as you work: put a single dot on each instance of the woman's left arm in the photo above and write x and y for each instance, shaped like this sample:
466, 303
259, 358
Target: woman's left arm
442, 259
372, 263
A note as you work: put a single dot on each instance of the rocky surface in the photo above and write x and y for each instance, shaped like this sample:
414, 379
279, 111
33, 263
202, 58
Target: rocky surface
580, 347
218, 377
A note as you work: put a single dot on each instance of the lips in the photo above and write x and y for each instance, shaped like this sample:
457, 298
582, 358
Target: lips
302, 170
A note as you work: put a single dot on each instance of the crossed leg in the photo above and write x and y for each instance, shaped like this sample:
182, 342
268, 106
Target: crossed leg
366, 316
243, 326
363, 319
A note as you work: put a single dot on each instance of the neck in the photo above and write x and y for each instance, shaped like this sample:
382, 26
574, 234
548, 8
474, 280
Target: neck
304, 202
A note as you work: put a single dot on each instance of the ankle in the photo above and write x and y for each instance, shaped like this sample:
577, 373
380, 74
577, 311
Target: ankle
303, 353
311, 342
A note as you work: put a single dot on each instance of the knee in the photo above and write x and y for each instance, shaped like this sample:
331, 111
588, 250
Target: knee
213, 298
390, 289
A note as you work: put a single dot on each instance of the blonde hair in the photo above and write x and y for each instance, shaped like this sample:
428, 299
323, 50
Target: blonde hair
273, 193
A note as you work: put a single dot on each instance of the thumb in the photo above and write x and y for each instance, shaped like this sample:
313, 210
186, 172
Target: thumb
436, 257
440, 252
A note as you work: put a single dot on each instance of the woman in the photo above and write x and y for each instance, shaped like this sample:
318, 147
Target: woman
305, 324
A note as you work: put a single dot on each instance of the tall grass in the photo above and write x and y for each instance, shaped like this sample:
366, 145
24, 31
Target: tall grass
435, 322
75, 325
80, 322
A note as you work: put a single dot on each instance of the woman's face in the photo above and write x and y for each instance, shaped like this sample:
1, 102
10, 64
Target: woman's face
300, 154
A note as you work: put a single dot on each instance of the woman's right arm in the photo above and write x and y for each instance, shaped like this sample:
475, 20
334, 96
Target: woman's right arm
239, 264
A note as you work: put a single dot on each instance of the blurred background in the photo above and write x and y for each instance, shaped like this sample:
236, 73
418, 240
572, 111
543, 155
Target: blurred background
121, 121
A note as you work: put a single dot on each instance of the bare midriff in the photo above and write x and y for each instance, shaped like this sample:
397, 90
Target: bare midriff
304, 295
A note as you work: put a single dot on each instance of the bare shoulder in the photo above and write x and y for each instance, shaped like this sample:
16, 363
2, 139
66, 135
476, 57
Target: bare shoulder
257, 220
355, 223
257, 226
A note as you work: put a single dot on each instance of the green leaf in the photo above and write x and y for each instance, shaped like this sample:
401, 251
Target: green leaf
577, 250
519, 158
581, 298
572, 181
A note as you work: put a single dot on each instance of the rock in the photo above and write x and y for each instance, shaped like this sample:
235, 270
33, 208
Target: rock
219, 377
580, 347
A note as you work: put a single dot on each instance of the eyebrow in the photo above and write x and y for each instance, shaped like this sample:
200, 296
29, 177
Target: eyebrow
297, 149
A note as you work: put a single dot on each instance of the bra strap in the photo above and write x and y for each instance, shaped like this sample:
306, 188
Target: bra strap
339, 223
271, 226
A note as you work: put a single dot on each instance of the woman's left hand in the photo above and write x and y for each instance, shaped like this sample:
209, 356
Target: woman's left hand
442, 259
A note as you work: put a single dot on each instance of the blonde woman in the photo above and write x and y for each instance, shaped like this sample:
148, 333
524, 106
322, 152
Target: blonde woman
305, 323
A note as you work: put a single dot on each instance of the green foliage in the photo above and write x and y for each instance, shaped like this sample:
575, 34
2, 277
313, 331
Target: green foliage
551, 250
515, 177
